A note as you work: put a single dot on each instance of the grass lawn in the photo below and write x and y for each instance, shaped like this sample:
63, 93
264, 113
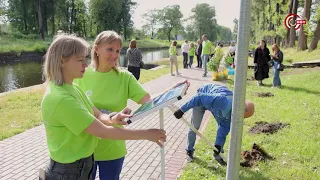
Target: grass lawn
296, 149
291, 55
35, 45
21, 110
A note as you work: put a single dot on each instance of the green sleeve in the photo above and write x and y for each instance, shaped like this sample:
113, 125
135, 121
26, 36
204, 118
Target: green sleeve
73, 115
136, 91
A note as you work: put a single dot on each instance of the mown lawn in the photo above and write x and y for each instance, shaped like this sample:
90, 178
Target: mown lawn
295, 149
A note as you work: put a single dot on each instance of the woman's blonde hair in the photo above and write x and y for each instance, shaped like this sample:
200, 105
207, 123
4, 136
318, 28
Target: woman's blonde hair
63, 48
105, 37
275, 47
191, 45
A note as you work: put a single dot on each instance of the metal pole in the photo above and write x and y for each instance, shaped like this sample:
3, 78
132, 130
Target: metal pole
163, 165
239, 89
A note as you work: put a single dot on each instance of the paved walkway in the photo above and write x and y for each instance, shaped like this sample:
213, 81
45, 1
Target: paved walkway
22, 155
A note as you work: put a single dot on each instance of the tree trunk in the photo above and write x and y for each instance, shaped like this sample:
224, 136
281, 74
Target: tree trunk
45, 17
302, 42
25, 16
288, 31
53, 18
292, 29
40, 20
72, 16
316, 37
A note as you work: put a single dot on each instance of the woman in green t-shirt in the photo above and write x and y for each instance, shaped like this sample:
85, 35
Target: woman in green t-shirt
71, 121
192, 52
109, 89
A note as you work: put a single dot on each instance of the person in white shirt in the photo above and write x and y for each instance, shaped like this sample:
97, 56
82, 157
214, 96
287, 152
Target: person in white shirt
185, 49
232, 50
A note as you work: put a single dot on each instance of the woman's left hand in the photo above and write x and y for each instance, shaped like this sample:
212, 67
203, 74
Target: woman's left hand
185, 81
126, 111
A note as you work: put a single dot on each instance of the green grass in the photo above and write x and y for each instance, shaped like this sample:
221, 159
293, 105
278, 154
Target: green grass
296, 149
291, 55
20, 110
10, 44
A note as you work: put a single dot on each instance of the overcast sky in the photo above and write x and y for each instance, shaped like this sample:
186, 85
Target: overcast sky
226, 10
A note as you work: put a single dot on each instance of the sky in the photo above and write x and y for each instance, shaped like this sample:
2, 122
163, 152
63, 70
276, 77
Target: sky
226, 10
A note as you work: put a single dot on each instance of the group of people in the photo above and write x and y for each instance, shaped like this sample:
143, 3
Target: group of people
263, 59
202, 51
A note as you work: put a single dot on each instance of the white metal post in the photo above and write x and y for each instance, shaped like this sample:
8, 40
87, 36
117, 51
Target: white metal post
239, 90
163, 165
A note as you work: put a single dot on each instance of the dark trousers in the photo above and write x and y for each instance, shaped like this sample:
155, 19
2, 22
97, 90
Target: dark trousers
135, 71
108, 170
185, 60
78, 170
199, 61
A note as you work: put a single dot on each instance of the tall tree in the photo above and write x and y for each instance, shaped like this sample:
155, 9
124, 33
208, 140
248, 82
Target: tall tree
302, 41
170, 19
152, 19
125, 16
292, 28
316, 35
40, 20
203, 18
235, 29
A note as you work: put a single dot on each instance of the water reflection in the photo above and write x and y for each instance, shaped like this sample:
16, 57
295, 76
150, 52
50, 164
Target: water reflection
27, 73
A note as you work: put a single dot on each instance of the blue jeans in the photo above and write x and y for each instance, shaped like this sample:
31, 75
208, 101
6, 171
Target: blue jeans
185, 60
108, 170
191, 61
276, 73
196, 119
205, 59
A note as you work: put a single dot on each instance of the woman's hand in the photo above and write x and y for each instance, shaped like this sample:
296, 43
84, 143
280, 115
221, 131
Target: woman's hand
119, 118
126, 111
156, 135
185, 81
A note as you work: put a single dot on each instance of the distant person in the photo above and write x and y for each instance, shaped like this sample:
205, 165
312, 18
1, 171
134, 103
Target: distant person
134, 58
218, 100
232, 50
191, 54
185, 50
277, 58
206, 45
173, 58
261, 60
198, 53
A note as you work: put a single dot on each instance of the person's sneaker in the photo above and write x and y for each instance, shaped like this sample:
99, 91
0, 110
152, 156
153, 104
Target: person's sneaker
172, 74
190, 157
204, 75
178, 73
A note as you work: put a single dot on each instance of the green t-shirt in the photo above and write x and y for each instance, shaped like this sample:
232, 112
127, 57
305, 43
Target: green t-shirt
66, 113
192, 51
173, 50
206, 45
110, 91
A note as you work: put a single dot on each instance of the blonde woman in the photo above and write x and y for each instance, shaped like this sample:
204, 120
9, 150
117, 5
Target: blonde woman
192, 52
173, 57
277, 59
72, 123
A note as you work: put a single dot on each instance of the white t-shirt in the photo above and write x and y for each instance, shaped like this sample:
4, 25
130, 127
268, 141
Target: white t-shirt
232, 48
185, 47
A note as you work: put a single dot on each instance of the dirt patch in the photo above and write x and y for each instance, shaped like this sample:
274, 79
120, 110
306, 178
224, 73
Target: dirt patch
257, 153
268, 128
265, 94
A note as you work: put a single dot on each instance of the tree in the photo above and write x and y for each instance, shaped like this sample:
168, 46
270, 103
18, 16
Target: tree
224, 33
316, 36
125, 16
292, 28
152, 19
235, 29
302, 41
203, 18
170, 19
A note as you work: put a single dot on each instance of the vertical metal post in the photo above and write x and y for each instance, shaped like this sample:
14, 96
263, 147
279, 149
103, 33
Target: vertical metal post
163, 165
238, 108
